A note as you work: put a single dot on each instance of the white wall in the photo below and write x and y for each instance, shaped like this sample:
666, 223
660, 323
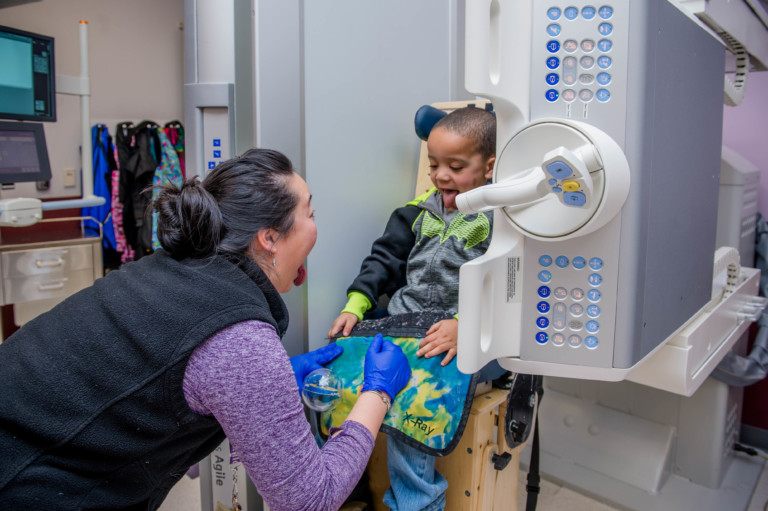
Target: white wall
368, 66
136, 65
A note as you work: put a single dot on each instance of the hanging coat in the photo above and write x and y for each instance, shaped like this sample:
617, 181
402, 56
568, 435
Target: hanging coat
174, 130
139, 153
168, 173
103, 164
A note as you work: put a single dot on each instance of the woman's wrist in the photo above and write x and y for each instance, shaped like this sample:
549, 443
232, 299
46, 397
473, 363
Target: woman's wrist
383, 396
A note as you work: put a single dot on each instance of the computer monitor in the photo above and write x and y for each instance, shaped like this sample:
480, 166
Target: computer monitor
23, 153
27, 76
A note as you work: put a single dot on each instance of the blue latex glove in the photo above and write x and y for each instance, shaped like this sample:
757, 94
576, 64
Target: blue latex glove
307, 362
386, 367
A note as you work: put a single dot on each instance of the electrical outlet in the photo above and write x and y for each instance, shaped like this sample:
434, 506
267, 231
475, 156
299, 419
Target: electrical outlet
68, 178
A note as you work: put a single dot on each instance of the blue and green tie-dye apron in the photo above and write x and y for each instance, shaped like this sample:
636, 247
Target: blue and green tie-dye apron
431, 411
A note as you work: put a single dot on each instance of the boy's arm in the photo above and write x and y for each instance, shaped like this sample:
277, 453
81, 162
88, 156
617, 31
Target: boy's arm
383, 271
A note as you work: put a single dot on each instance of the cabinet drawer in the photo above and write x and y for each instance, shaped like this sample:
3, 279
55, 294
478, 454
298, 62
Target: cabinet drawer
47, 261
38, 287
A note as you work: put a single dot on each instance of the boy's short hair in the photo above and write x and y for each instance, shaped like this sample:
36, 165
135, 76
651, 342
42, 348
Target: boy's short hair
475, 123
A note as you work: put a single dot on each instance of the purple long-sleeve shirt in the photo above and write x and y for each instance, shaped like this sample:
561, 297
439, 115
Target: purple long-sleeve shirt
243, 377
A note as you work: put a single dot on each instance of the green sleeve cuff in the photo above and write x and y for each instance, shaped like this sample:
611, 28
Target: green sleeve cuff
456, 316
357, 304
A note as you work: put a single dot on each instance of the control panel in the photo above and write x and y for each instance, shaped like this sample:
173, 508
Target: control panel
579, 63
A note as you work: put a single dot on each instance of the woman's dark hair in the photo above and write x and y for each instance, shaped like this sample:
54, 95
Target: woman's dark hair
222, 214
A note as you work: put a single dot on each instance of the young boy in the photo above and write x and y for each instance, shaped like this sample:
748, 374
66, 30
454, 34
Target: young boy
416, 262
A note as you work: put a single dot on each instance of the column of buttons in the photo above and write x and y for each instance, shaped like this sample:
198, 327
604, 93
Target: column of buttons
595, 280
571, 74
573, 318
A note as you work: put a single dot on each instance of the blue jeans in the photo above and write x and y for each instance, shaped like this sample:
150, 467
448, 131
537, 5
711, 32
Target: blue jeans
415, 484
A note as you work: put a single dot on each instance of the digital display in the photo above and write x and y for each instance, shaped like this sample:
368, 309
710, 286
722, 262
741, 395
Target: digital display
23, 153
27, 76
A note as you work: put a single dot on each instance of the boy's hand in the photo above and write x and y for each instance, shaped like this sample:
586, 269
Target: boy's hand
441, 337
344, 324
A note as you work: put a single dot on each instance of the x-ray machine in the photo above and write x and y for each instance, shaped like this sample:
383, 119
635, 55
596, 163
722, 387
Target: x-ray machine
603, 264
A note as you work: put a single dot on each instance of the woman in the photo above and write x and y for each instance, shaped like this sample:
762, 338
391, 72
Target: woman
110, 397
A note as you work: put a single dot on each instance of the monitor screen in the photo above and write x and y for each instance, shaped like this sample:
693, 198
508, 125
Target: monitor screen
23, 153
27, 76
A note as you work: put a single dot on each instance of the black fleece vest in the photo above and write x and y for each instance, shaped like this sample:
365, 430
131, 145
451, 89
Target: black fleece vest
92, 411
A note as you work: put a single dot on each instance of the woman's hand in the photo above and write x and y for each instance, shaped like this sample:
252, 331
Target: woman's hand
344, 324
308, 362
386, 367
441, 337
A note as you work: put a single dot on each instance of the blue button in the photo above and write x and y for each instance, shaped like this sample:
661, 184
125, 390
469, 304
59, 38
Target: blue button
591, 342
545, 260
605, 12
542, 337
604, 45
594, 295
592, 326
593, 311
595, 279
553, 78
553, 13
557, 189
211, 165
604, 62
552, 95
579, 262
596, 263
574, 199
552, 182
545, 276
603, 95
553, 46
544, 291
542, 322
588, 12
542, 307
562, 261
217, 154
559, 169
216, 142
603, 78
605, 29
553, 30
571, 13
553, 62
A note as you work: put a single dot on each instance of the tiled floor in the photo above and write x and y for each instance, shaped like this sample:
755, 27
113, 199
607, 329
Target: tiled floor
185, 496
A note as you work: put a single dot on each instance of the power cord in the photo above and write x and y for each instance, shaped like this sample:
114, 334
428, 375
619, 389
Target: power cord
751, 451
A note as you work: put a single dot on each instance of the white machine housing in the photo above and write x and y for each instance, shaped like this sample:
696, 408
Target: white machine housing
589, 291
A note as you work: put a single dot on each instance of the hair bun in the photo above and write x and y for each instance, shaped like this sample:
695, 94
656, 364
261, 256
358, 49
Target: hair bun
189, 222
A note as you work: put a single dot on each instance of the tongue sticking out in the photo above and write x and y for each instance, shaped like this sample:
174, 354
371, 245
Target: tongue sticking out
301, 276
449, 198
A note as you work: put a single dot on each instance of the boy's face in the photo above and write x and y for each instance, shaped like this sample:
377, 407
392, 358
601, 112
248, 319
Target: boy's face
455, 164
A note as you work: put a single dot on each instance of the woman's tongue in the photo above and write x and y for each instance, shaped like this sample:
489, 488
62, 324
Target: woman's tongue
449, 198
300, 276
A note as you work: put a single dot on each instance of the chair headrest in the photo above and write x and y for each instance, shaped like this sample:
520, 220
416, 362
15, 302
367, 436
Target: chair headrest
426, 117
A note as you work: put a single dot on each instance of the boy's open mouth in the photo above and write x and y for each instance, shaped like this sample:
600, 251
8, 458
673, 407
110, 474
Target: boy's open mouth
449, 197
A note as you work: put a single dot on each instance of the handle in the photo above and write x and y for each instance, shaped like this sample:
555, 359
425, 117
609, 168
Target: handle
49, 264
51, 287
